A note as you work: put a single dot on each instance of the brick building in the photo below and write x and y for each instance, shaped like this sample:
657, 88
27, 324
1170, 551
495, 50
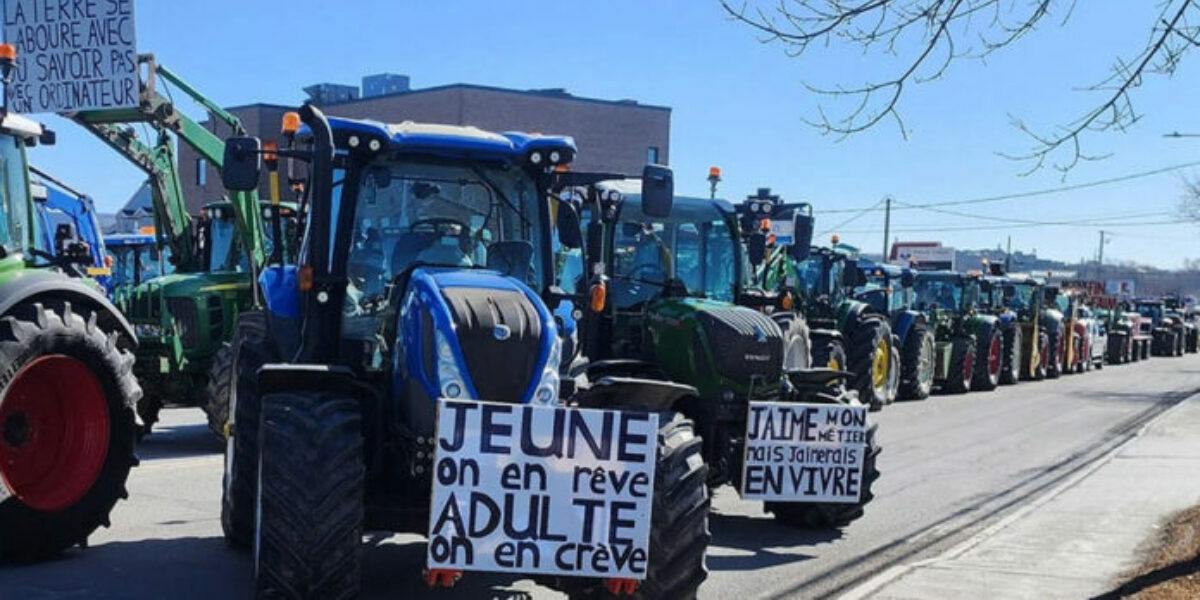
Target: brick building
616, 136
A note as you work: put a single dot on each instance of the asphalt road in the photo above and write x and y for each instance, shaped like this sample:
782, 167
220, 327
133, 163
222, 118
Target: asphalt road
951, 465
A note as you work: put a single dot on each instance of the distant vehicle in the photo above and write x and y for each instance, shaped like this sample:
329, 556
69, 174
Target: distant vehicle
136, 258
1096, 338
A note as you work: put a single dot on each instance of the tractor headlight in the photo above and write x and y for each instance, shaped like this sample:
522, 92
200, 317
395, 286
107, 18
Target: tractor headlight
450, 379
546, 392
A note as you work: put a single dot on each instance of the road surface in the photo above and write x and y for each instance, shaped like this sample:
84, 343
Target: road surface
951, 465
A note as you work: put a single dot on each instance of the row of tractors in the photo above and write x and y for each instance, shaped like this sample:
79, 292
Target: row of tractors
416, 267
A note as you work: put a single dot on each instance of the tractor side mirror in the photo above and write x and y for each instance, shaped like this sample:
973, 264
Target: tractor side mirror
658, 191
567, 222
802, 232
756, 248
243, 162
853, 276
48, 137
907, 278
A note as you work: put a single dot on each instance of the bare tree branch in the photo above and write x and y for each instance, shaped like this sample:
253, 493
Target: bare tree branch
924, 36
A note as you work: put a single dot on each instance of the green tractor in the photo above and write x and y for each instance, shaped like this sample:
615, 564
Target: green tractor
1179, 313
680, 307
969, 343
67, 391
1019, 300
1054, 322
1168, 331
889, 290
184, 320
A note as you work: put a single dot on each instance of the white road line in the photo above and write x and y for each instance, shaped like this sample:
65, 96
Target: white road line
875, 584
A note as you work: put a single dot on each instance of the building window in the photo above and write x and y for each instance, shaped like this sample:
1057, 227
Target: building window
201, 172
652, 155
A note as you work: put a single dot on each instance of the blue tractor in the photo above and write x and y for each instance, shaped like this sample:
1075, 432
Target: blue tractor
423, 280
135, 258
69, 233
889, 290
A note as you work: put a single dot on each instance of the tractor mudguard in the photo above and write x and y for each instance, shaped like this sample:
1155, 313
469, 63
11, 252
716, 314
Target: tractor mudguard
848, 314
625, 367
280, 287
30, 283
904, 321
633, 393
285, 377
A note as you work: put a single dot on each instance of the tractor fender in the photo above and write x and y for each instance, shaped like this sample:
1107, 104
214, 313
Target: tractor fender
31, 284
904, 322
827, 333
651, 395
978, 322
849, 313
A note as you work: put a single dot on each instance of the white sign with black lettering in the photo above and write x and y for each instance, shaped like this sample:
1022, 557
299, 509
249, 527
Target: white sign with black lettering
72, 55
555, 491
804, 452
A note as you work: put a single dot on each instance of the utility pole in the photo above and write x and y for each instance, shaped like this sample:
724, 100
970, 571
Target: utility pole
1008, 255
1100, 258
887, 225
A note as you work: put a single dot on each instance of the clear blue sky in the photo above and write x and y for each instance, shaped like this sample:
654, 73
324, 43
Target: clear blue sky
736, 103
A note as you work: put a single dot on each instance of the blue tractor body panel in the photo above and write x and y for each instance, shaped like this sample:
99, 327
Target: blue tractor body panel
61, 207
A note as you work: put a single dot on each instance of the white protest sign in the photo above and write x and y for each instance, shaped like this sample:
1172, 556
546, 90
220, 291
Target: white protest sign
555, 491
784, 231
804, 452
72, 55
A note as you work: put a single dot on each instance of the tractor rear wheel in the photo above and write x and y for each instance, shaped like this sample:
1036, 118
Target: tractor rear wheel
67, 427
916, 370
216, 393
251, 350
990, 354
870, 355
312, 474
1116, 348
962, 365
814, 515
797, 347
1011, 371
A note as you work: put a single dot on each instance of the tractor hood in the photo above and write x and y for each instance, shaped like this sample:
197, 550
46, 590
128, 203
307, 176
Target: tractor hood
736, 342
484, 335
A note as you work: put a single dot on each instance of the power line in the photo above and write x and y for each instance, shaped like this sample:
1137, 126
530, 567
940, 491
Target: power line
1018, 226
854, 218
1032, 193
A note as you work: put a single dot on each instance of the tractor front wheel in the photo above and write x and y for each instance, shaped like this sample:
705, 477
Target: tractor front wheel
1011, 371
870, 355
216, 401
811, 515
828, 352
67, 428
1054, 360
916, 375
962, 365
797, 347
1117, 346
251, 350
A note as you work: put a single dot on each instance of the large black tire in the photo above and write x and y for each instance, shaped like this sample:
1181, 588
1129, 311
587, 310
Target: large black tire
989, 363
312, 481
48, 350
829, 515
1117, 343
871, 337
1040, 370
827, 351
962, 365
216, 393
679, 535
797, 347
1145, 349
1054, 347
1010, 371
893, 389
1179, 340
251, 350
148, 408
916, 363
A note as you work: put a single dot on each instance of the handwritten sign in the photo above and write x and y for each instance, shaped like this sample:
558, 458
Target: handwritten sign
555, 491
804, 452
72, 55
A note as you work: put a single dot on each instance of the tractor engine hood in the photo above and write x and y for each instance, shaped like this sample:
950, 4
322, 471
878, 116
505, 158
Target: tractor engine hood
738, 343
482, 335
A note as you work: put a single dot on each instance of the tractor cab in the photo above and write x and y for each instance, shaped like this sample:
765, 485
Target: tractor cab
888, 288
135, 258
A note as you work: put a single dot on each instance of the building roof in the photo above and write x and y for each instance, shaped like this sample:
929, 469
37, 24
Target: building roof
554, 93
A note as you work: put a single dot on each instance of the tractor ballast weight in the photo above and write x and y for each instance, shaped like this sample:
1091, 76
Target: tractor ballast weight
66, 387
337, 384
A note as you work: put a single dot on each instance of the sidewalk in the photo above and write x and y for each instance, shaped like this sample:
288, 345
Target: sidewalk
1077, 542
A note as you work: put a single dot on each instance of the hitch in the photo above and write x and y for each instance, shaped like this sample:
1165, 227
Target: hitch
621, 587
445, 578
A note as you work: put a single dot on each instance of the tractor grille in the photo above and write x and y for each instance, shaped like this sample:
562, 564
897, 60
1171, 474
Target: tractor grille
501, 367
744, 343
183, 310
216, 319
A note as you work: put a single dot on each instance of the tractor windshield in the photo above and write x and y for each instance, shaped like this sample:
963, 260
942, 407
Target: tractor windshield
461, 215
941, 293
226, 254
695, 248
820, 275
14, 204
135, 263
1154, 312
